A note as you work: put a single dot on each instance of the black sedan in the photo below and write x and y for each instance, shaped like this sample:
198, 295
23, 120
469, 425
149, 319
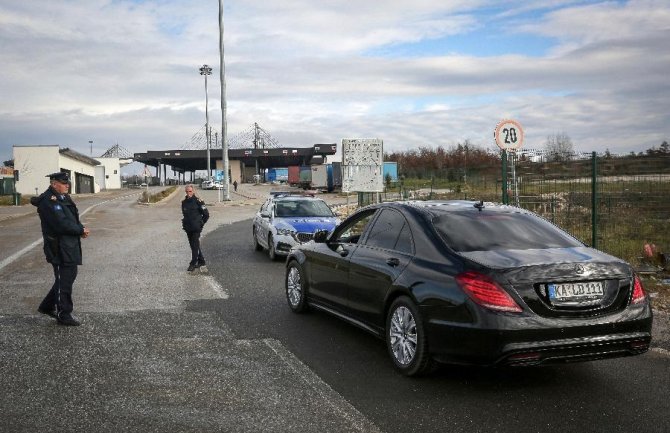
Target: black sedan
471, 283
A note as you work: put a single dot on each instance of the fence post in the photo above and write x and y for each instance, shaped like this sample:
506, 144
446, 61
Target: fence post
594, 201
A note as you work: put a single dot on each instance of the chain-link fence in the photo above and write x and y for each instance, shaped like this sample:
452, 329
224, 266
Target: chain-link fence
619, 204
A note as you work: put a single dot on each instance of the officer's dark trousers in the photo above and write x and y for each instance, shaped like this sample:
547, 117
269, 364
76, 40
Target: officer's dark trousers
60, 295
194, 243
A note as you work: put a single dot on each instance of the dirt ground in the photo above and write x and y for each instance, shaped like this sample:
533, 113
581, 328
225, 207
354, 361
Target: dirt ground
658, 288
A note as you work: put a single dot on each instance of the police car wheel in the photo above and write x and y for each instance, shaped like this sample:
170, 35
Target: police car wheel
257, 246
271, 248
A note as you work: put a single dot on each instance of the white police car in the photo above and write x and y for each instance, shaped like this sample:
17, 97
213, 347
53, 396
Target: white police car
286, 220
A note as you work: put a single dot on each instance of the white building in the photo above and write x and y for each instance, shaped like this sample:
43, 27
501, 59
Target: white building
36, 162
108, 173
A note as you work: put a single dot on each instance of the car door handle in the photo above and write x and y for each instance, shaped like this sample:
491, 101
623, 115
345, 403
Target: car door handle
392, 261
344, 253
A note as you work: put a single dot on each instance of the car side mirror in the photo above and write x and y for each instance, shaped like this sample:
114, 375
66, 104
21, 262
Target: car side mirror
320, 236
265, 214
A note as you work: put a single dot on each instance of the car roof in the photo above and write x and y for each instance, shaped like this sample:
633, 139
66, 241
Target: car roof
294, 197
439, 207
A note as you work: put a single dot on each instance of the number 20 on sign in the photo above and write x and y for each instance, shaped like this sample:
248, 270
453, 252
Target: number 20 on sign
509, 134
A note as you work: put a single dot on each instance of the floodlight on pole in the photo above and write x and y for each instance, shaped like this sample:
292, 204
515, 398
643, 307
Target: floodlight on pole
91, 143
206, 70
224, 133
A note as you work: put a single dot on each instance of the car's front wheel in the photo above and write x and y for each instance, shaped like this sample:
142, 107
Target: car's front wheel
406, 338
272, 252
296, 287
257, 246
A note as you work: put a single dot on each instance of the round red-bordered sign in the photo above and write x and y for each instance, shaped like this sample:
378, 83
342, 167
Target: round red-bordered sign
509, 134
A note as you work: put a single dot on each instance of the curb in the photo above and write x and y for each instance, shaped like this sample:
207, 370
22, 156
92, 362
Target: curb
163, 200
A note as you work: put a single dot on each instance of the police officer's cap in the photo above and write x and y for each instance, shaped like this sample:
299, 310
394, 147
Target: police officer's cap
60, 177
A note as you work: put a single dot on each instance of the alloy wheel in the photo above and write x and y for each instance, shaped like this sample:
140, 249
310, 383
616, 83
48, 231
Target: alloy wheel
294, 287
403, 335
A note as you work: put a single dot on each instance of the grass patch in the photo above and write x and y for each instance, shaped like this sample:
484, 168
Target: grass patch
8, 200
159, 196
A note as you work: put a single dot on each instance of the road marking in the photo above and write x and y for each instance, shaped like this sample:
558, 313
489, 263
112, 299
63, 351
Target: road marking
9, 260
660, 350
338, 403
216, 287
18, 254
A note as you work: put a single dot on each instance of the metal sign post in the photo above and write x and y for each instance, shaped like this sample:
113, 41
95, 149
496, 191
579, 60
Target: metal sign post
508, 135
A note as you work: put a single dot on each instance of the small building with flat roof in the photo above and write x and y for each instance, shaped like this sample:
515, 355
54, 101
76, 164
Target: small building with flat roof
35, 162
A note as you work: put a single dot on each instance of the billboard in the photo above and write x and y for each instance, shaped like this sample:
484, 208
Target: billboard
362, 165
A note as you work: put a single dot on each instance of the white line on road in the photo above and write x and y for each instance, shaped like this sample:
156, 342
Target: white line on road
660, 350
359, 422
18, 254
216, 287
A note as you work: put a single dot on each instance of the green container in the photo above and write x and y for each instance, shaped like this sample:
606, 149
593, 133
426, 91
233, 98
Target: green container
17, 198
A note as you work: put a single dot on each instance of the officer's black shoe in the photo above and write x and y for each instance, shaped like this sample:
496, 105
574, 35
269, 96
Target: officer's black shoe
67, 320
191, 268
48, 312
201, 263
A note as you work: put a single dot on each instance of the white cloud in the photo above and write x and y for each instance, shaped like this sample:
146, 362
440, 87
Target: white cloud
127, 72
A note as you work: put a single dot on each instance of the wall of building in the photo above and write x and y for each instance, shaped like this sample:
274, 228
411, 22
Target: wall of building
112, 173
100, 181
33, 164
36, 162
75, 167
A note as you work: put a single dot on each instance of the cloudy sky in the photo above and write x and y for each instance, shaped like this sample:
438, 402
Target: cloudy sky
414, 73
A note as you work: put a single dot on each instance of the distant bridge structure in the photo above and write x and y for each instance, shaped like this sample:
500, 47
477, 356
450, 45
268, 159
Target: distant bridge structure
117, 151
254, 137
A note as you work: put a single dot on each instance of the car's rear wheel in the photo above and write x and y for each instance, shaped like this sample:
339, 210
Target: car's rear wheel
296, 287
257, 246
406, 338
272, 253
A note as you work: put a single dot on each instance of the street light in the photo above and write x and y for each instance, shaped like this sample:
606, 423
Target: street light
224, 126
206, 70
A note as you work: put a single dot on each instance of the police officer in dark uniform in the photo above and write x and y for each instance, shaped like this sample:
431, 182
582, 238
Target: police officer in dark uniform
195, 216
62, 232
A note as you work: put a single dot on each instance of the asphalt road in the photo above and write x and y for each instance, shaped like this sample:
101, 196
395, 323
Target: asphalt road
621, 395
164, 351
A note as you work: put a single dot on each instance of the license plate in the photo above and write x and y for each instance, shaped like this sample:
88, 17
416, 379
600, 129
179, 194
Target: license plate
575, 292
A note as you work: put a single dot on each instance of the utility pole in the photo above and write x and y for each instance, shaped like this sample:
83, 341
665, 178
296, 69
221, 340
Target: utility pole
206, 70
224, 132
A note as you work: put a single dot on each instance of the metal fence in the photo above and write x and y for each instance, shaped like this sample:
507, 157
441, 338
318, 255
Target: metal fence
6, 186
617, 204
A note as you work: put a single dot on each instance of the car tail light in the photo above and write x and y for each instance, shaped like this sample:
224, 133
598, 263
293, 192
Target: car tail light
638, 291
487, 292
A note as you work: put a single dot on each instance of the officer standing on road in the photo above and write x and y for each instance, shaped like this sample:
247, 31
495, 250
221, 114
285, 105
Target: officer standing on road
195, 216
62, 233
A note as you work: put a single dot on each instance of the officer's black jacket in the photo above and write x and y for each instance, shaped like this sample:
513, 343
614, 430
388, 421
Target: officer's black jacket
195, 214
61, 228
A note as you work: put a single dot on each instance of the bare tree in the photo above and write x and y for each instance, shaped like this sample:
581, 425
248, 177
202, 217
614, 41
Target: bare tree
559, 146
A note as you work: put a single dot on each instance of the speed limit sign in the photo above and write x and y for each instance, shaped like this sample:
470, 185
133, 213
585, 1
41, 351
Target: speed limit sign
509, 134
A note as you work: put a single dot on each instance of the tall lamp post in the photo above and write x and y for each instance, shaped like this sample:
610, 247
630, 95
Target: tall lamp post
206, 70
224, 132
91, 143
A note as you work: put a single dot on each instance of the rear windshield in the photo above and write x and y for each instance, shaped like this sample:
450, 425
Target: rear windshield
302, 208
487, 231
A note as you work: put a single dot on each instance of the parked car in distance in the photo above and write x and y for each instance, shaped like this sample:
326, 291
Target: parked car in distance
286, 220
211, 184
471, 283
